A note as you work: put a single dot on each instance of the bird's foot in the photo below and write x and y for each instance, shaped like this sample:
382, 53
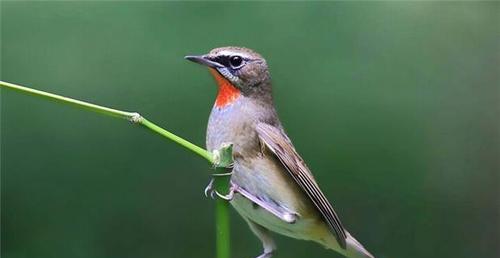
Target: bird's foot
227, 197
266, 255
210, 191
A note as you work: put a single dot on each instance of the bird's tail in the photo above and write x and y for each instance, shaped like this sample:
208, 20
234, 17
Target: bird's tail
353, 248
356, 250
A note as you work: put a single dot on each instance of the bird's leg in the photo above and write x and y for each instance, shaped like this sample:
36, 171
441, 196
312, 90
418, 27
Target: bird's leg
265, 237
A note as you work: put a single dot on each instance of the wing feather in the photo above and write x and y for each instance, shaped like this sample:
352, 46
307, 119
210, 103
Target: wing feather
277, 141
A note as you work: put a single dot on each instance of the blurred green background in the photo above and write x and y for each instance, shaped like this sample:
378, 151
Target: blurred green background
395, 107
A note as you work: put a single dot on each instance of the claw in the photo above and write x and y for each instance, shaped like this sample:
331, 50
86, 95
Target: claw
227, 197
210, 188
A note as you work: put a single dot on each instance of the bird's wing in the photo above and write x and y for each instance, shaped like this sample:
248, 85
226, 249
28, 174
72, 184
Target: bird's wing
277, 141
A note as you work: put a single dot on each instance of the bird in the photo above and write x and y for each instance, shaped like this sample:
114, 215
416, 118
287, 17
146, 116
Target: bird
271, 186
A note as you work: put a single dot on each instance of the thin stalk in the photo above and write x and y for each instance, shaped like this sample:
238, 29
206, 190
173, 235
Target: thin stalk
222, 222
131, 116
66, 100
222, 162
181, 141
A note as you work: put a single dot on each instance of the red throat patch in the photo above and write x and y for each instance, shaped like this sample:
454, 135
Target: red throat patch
227, 92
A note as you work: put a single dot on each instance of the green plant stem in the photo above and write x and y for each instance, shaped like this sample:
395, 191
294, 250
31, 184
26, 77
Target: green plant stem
222, 163
74, 102
186, 144
131, 116
222, 222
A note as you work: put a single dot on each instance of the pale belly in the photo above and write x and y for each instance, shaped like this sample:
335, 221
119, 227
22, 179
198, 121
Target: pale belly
269, 182
301, 229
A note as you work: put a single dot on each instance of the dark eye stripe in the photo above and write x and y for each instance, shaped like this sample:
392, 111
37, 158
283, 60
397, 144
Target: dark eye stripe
224, 60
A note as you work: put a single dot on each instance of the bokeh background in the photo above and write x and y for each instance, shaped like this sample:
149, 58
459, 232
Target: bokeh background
395, 107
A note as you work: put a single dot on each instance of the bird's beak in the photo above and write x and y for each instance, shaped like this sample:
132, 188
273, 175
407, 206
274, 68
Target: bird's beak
204, 61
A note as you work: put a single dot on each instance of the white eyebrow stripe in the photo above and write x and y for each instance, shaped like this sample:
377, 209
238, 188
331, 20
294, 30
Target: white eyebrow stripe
232, 53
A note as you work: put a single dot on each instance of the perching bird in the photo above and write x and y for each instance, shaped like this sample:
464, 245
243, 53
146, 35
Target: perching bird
271, 186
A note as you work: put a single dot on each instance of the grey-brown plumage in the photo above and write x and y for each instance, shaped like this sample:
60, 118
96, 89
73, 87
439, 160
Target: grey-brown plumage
273, 188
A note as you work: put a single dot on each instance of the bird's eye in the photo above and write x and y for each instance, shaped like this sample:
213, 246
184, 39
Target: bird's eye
235, 61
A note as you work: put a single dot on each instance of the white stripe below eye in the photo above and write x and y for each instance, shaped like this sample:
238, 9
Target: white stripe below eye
228, 75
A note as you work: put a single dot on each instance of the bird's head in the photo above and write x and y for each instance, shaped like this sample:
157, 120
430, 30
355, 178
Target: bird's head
237, 71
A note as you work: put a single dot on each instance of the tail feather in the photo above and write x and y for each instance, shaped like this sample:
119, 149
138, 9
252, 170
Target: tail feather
355, 249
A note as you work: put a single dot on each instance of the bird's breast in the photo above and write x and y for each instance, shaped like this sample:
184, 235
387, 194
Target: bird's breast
232, 124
